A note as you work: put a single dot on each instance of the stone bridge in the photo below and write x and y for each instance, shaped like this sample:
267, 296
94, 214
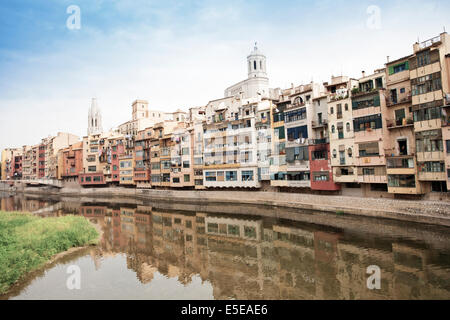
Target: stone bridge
37, 182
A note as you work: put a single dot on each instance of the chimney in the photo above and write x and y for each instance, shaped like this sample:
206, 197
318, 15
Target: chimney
363, 74
387, 59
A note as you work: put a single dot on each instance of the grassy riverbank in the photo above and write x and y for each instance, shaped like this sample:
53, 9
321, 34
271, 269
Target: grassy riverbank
28, 242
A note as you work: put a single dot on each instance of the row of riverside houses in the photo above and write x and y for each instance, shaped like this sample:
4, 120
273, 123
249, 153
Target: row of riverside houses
384, 134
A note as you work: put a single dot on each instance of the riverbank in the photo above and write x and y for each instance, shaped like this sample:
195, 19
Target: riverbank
421, 211
28, 242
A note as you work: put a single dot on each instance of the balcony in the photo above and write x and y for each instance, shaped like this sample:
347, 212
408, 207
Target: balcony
318, 141
399, 123
432, 176
392, 102
429, 42
316, 124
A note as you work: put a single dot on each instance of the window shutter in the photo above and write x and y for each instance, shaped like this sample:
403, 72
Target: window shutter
391, 70
376, 101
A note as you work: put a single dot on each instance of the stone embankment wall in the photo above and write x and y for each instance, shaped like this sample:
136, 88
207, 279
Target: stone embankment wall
431, 212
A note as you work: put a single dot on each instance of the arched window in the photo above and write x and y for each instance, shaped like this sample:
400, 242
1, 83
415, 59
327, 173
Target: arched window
254, 64
347, 126
334, 153
298, 100
350, 152
346, 107
332, 128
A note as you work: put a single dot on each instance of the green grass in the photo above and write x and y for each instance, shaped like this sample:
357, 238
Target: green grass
27, 242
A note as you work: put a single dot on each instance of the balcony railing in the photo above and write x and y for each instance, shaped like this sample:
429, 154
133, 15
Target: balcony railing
397, 123
318, 141
393, 102
429, 42
316, 124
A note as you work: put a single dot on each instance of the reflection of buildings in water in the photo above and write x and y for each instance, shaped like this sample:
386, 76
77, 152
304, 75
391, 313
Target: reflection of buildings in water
245, 259
252, 258
21, 203
416, 275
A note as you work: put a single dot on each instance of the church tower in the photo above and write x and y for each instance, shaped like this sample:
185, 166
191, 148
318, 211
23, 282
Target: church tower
94, 119
256, 64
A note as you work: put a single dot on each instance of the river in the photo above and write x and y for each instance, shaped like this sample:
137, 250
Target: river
168, 250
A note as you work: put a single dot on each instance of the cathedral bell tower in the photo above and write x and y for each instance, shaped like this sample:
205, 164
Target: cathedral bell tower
94, 118
256, 64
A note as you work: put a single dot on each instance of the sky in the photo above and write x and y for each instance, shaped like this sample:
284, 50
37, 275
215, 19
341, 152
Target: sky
181, 54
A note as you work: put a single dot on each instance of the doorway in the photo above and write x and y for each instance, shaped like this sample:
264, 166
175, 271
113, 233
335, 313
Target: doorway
402, 147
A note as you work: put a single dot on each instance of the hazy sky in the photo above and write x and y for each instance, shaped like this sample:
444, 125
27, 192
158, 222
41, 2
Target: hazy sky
178, 54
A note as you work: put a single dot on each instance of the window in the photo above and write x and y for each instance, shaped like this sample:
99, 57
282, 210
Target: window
368, 171
425, 84
423, 58
350, 152
432, 166
92, 168
231, 175
429, 141
210, 175
331, 110
279, 131
399, 67
332, 129
427, 114
176, 180
297, 153
347, 126
401, 181
297, 133
447, 145
247, 175
346, 107
187, 178
320, 176
399, 116
233, 230
368, 149
250, 232
374, 101
185, 164
341, 157
367, 123
334, 153
185, 151
295, 115
319, 154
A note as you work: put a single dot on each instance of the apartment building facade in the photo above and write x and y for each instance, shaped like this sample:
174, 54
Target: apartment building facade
341, 133
429, 86
369, 127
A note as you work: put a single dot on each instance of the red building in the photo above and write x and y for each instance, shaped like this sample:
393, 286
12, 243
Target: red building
320, 166
96, 178
72, 162
117, 149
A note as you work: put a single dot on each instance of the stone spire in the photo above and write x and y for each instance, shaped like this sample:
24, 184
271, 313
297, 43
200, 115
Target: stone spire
94, 118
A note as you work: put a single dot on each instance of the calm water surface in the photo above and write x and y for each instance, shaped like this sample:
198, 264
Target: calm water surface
178, 251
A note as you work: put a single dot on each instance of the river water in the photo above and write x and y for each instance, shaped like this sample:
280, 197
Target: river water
168, 250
